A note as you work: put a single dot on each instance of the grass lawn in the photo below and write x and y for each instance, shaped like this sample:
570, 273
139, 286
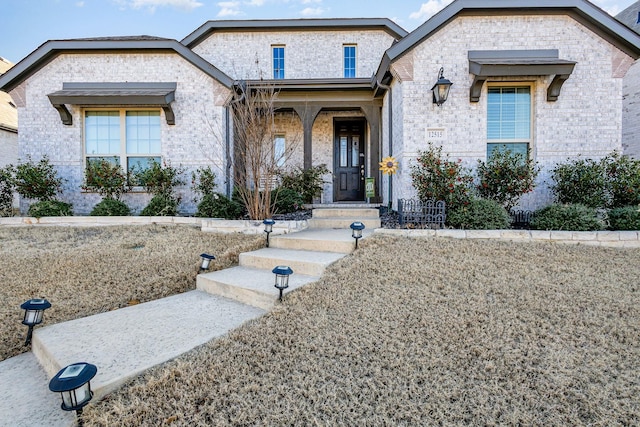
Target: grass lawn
405, 332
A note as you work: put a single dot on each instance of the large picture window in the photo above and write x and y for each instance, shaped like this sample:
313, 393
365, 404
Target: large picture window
509, 119
130, 138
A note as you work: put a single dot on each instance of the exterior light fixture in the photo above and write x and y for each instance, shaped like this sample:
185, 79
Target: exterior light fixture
33, 314
73, 384
268, 227
282, 273
206, 260
441, 89
356, 231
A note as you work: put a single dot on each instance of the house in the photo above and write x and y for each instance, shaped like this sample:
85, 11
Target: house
540, 75
8, 123
631, 89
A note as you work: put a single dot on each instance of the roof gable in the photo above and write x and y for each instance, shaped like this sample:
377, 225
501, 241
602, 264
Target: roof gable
583, 11
52, 48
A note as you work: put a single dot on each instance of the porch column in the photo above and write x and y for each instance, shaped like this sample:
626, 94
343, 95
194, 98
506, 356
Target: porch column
372, 113
308, 116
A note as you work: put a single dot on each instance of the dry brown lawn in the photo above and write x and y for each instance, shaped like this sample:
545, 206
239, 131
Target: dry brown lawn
84, 271
414, 332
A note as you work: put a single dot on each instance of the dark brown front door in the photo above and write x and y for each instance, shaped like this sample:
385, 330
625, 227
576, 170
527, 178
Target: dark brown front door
348, 155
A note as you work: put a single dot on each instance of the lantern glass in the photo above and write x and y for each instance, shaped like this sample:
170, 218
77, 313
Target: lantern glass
356, 234
77, 397
282, 281
33, 317
205, 263
441, 89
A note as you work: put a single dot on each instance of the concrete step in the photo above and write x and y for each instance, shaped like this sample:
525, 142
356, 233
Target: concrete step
249, 285
325, 240
310, 263
124, 343
25, 399
343, 223
360, 213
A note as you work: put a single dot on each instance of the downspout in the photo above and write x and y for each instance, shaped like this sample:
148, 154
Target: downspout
227, 138
390, 126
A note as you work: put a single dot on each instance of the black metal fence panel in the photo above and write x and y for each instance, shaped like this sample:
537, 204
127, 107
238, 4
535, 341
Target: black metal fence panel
429, 213
521, 219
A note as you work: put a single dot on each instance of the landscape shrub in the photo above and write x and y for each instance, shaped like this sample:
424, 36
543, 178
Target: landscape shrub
106, 178
479, 214
6, 191
285, 200
580, 181
203, 181
50, 208
307, 182
626, 218
37, 181
506, 177
623, 174
217, 205
161, 205
573, 217
438, 178
110, 207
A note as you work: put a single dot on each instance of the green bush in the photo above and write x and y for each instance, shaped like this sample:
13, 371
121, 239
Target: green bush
161, 205
37, 181
623, 174
306, 182
50, 208
438, 178
203, 181
6, 191
566, 217
479, 214
110, 207
217, 205
106, 178
285, 200
160, 180
580, 181
506, 176
626, 218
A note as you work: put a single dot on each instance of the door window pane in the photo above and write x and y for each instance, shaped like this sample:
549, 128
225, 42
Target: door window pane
355, 151
343, 151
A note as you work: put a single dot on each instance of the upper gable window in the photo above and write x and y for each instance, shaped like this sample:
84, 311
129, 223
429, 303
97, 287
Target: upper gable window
278, 62
349, 51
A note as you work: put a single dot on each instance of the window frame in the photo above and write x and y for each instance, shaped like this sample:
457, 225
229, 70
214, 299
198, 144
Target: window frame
122, 157
279, 156
505, 142
278, 74
346, 46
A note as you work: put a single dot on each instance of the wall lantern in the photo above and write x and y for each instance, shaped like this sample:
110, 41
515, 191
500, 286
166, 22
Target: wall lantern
73, 384
282, 273
441, 89
268, 227
356, 231
206, 260
33, 314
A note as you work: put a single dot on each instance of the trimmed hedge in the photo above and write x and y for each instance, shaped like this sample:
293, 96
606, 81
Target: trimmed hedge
479, 214
566, 217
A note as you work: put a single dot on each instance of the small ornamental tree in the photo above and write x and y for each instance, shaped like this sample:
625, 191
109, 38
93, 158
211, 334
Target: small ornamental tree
37, 181
438, 178
580, 181
623, 174
106, 178
506, 177
161, 181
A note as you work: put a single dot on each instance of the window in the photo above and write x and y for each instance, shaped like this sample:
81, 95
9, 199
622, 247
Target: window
509, 119
130, 138
278, 62
278, 150
349, 61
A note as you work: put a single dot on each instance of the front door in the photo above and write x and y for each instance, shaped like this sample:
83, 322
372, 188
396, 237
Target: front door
348, 155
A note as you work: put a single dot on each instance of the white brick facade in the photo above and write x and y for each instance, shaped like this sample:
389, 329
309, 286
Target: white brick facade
8, 148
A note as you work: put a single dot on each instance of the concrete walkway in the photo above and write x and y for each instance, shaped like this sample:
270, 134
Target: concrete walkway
126, 342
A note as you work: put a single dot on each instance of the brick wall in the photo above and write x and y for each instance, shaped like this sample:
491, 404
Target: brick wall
585, 120
8, 148
308, 54
631, 112
197, 138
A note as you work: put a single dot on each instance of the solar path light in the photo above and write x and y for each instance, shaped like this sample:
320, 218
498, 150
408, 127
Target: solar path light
268, 227
73, 384
206, 260
282, 273
33, 314
356, 231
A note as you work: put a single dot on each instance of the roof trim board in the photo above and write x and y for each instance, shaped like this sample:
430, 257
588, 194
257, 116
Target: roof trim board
160, 94
52, 48
202, 32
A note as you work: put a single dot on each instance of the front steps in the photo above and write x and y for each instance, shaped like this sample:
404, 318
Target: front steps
341, 218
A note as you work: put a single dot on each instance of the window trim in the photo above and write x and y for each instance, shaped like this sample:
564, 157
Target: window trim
273, 59
355, 60
511, 84
122, 156
282, 159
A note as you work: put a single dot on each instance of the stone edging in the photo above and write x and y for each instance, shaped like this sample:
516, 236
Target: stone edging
619, 239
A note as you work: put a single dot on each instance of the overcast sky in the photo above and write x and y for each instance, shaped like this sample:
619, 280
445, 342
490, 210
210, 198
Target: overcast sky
26, 24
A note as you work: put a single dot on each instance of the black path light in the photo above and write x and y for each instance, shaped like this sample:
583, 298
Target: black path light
33, 314
441, 89
268, 227
356, 231
206, 260
282, 273
73, 384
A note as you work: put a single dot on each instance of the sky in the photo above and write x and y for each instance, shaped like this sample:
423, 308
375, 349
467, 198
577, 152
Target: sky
26, 24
